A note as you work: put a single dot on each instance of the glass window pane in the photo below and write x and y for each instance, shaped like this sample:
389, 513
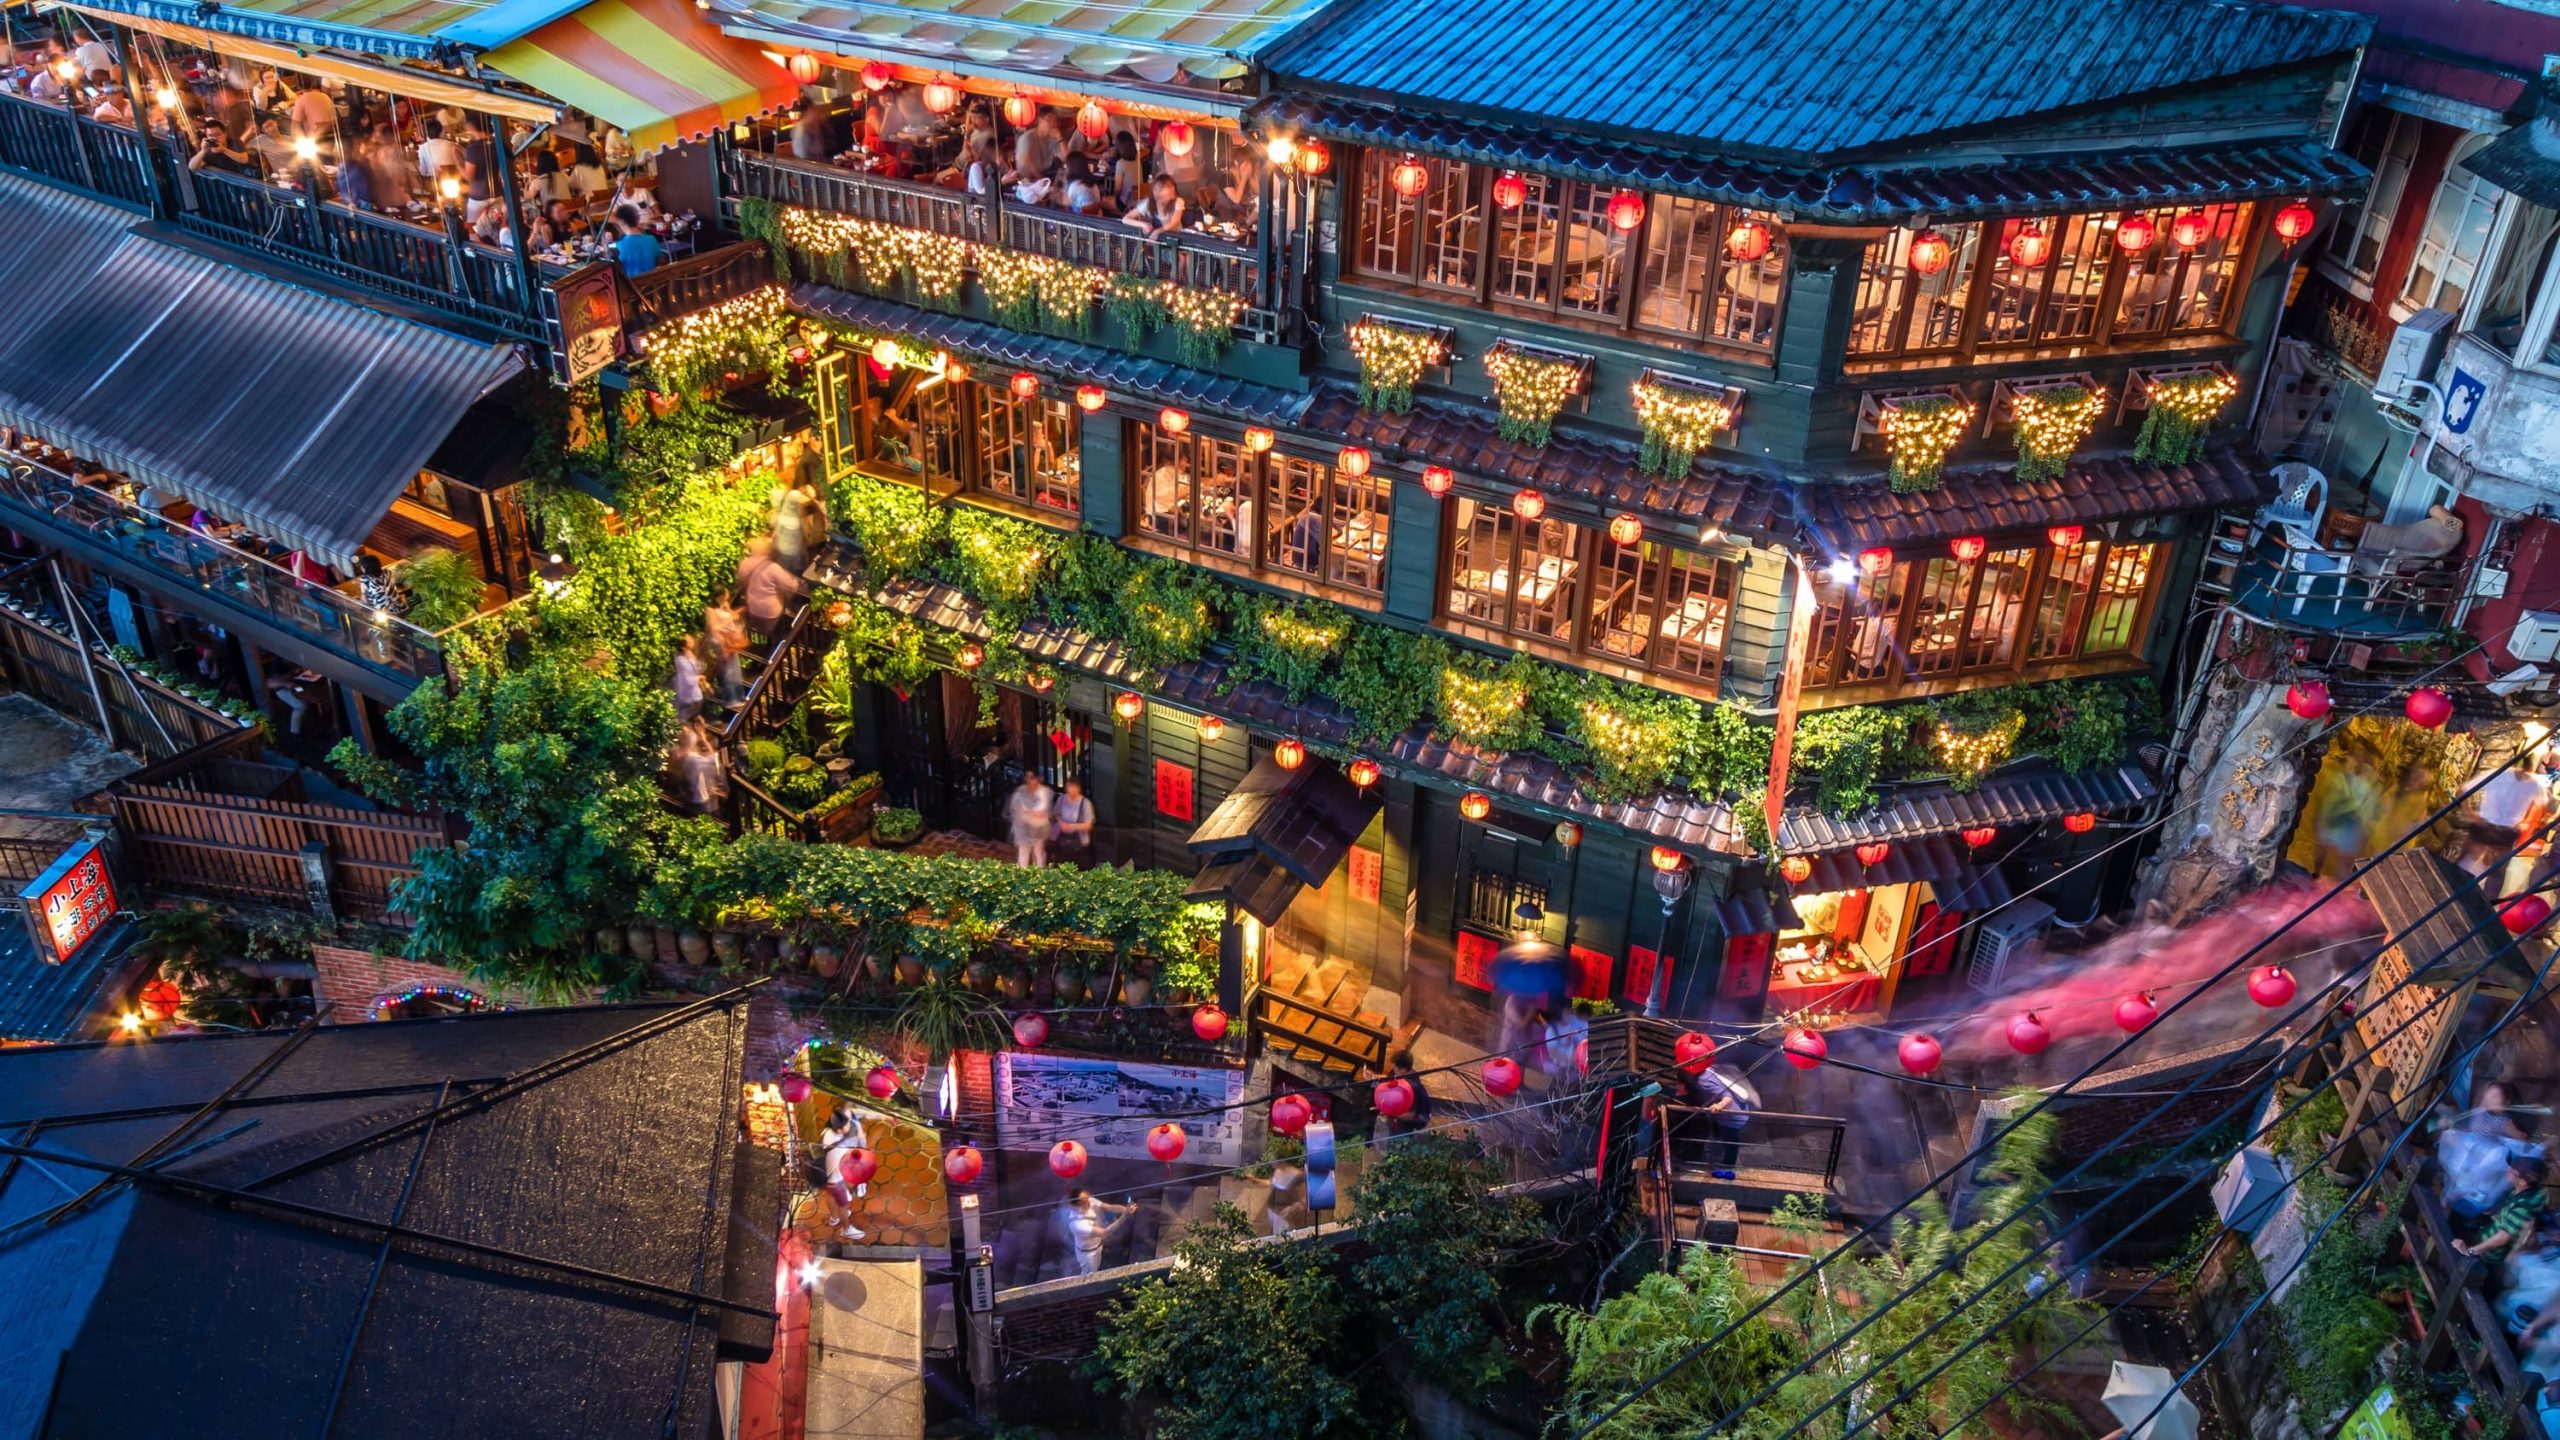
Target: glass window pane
1356, 532
1697, 604
1389, 223
1991, 629
1453, 226
1226, 498
1680, 247
1946, 586
2017, 291
1591, 264
1623, 583
2061, 601
1166, 485
1057, 459
2119, 599
2450, 247
2523, 259
1295, 541
1745, 306
2082, 247
1480, 565
2182, 287
1899, 309
911, 428
1004, 445
1856, 632
1543, 590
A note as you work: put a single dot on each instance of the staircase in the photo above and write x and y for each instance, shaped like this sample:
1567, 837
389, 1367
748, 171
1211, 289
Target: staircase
1310, 1012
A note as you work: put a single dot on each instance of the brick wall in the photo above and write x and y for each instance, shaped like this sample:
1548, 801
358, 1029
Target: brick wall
354, 979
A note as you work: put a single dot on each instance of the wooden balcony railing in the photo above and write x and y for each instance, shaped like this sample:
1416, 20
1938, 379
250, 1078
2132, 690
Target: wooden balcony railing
52, 142
701, 280
863, 197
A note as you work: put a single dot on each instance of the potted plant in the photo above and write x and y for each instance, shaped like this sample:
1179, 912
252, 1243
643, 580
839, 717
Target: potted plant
895, 827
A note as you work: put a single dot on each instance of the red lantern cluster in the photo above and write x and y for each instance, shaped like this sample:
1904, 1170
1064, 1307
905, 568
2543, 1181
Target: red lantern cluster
1875, 561
1030, 1031
1568, 834
2307, 698
1501, 1076
1289, 754
1625, 529
2029, 1035
1209, 1023
1314, 159
2135, 1011
882, 1082
1694, 1050
1919, 1054
2429, 708
1666, 859
1166, 1141
2271, 985
963, 1165
2188, 230
1259, 439
1804, 1048
970, 655
1066, 1159
1129, 705
1393, 1098
1172, 421
876, 76
1290, 1114
941, 97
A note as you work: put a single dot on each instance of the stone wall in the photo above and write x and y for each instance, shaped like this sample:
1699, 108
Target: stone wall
2235, 797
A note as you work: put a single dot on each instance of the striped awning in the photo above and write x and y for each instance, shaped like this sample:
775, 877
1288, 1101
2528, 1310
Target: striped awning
654, 68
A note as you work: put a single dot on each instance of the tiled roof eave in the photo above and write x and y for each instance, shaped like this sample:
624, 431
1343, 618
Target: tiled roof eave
2029, 792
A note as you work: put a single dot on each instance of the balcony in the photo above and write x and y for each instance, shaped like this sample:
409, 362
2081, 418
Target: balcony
2500, 421
73, 150
2336, 592
1200, 262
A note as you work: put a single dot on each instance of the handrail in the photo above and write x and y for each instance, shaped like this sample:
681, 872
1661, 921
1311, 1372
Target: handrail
1370, 1057
703, 280
54, 142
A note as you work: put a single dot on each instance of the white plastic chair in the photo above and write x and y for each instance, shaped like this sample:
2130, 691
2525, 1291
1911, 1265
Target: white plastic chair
2302, 497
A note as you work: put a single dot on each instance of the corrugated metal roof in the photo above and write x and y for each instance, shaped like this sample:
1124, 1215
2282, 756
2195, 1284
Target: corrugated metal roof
300, 415
49, 1002
1791, 76
1844, 517
2029, 793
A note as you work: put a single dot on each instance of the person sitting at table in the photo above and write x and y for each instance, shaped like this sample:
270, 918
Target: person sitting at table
1128, 178
1297, 540
275, 152
587, 178
908, 116
1037, 147
377, 590
639, 191
355, 178
436, 154
636, 249
1161, 212
548, 181
986, 167
216, 150
564, 222
540, 234
873, 131
113, 108
1240, 195
1030, 189
1083, 193
314, 114
489, 227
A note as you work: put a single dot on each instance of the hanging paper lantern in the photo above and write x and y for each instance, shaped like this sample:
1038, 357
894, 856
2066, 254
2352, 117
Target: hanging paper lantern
1090, 398
1352, 461
1314, 159
2429, 708
1408, 176
963, 1165
1129, 705
1872, 853
1747, 241
1021, 111
1568, 834
1209, 1023
1258, 439
1501, 1076
1363, 772
1919, 1054
2063, 537
1475, 805
2030, 245
804, 67
1392, 1098
857, 1167
941, 97
1625, 529
1043, 679
1626, 210
1436, 480
2080, 822
882, 1082
1172, 421
1092, 121
1030, 1031
1666, 859
795, 1088
2029, 1035
1693, 1051
2135, 234
1289, 754
2188, 230
1024, 385
1968, 548
2523, 913
1875, 561
954, 371
1528, 504
1211, 727
2294, 221
884, 353
1582, 1057
1062, 740
2307, 698
1510, 192
1980, 835
971, 655
1796, 868
2135, 1011
877, 76
1290, 1114
2271, 985
1165, 1142
1066, 1159
1804, 1048
1930, 252
1177, 138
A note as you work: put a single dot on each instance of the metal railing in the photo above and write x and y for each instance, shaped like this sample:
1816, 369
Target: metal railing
700, 281
2324, 589
1767, 1142
1203, 264
51, 141
44, 500
863, 197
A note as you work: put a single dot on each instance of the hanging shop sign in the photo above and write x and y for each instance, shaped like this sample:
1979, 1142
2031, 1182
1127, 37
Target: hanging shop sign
585, 321
70, 902
1108, 1106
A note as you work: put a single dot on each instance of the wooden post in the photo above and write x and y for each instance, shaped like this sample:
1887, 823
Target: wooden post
528, 282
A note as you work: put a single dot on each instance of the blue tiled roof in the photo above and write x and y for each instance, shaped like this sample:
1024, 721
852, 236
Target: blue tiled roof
1790, 77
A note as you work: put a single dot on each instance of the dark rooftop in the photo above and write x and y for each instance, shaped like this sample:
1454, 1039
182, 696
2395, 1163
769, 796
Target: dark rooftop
1844, 517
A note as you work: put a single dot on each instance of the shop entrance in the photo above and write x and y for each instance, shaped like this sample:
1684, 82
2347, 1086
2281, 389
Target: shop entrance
1854, 943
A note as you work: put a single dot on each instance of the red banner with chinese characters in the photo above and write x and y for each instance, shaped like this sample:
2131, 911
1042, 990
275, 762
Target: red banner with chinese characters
1590, 973
1640, 963
1475, 960
1368, 874
70, 902
1173, 790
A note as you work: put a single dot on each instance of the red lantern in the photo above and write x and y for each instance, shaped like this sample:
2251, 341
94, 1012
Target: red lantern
1625, 529
942, 97
1129, 705
1568, 834
2294, 221
2188, 230
2063, 537
1177, 138
1930, 253
1062, 739
795, 1089
1021, 111
1804, 1048
1259, 439
876, 77
1392, 1098
1024, 385
1209, 1023
2029, 1035
1582, 1057
1968, 548
1919, 1054
1043, 679
160, 1000
1475, 805
1352, 461
1626, 210
1796, 868
1165, 1142
2307, 698
882, 1082
963, 1165
1066, 1159
1666, 859
2271, 985
1172, 421
1313, 158
1409, 176
1092, 121
1436, 480
971, 655
1747, 241
1693, 1051
1364, 772
1289, 754
2523, 913
857, 1167
1211, 727
1290, 1114
1501, 1076
1528, 504
1090, 398
1872, 853
2030, 245
2135, 1011
1980, 835
1875, 561
2135, 233
2080, 822
2429, 708
955, 372
1510, 192
1030, 1031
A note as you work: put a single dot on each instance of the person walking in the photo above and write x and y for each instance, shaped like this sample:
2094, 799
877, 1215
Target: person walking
768, 585
844, 1135
688, 677
789, 546
1417, 1119
1029, 812
724, 625
1730, 1099
699, 778
1071, 828
1088, 1223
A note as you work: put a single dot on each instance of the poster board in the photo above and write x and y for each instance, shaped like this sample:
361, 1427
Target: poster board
1108, 1105
70, 902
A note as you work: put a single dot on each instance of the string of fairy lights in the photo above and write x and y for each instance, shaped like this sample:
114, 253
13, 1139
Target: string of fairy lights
1530, 390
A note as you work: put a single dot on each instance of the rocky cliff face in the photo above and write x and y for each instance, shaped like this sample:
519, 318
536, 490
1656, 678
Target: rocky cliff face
2234, 800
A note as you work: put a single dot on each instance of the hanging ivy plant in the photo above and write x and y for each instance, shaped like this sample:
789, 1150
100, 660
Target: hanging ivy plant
1012, 283
1136, 307
2182, 410
1530, 389
1918, 433
1066, 299
1289, 644
1392, 358
1204, 322
746, 333
1486, 707
1677, 425
1164, 614
2051, 424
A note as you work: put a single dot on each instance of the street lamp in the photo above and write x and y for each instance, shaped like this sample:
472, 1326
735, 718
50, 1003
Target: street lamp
1670, 881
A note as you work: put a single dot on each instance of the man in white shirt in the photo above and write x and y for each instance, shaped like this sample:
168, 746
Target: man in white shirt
94, 55
436, 154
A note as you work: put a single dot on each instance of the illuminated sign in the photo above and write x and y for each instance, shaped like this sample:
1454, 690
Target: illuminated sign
70, 902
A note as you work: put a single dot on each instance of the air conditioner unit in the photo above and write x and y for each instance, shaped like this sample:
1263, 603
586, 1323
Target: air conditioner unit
2001, 937
2416, 349
2536, 638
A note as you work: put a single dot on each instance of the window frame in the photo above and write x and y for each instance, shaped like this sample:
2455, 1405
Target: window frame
2454, 181
2390, 169
971, 402
1262, 472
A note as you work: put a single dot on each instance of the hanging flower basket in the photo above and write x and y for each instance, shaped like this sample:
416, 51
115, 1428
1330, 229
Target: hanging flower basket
1531, 389
1918, 433
2051, 424
1677, 425
1392, 359
2182, 410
